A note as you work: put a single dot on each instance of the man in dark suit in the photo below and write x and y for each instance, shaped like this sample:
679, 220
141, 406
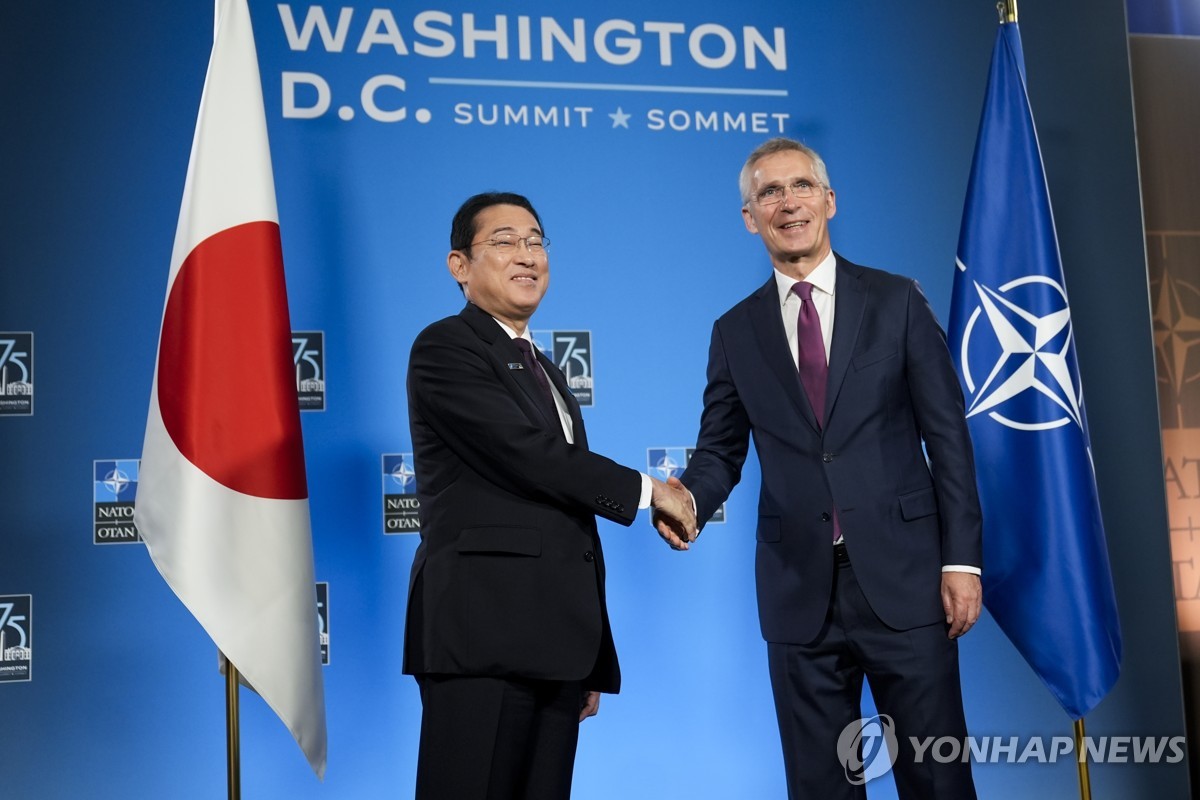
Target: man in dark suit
507, 629
868, 558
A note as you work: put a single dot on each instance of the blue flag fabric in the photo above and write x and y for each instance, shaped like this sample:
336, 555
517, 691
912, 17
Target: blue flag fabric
1046, 574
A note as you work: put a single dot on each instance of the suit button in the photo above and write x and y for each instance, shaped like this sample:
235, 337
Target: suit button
827, 457
825, 516
589, 556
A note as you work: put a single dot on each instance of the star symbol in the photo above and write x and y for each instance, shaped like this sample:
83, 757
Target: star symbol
620, 119
1176, 331
666, 467
1034, 352
116, 481
403, 474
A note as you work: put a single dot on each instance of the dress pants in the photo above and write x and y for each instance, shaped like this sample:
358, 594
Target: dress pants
914, 679
497, 738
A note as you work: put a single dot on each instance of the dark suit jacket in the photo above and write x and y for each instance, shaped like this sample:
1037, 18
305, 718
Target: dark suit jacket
891, 387
509, 577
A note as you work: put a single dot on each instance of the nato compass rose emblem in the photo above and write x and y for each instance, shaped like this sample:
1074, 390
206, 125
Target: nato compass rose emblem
666, 464
1177, 334
403, 475
117, 481
1017, 359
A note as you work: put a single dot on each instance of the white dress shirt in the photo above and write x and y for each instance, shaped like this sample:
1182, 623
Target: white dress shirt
823, 280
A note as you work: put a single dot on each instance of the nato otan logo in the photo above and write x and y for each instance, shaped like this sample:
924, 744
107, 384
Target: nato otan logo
16, 374
1017, 356
323, 619
114, 489
400, 505
308, 359
571, 351
670, 462
16, 637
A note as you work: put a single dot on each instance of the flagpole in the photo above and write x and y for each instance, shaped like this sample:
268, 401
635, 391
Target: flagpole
233, 749
1007, 10
1008, 14
1085, 781
232, 746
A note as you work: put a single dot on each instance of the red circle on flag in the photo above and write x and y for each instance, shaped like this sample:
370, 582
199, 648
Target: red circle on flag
226, 388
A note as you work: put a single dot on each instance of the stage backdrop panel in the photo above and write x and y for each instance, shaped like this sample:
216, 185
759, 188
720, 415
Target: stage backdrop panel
626, 124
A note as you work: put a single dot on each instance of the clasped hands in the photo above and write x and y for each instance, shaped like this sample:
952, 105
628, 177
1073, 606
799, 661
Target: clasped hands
673, 513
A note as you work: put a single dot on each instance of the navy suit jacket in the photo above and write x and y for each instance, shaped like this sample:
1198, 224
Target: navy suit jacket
892, 387
509, 577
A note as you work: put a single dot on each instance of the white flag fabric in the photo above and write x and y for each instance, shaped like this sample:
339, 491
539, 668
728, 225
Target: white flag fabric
223, 500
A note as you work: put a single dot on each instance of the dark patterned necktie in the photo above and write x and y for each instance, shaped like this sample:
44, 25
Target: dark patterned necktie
531, 364
814, 369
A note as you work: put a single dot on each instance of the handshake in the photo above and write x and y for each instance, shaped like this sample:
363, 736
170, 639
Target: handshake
673, 513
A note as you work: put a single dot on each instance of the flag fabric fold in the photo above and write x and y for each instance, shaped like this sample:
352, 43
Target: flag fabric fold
1046, 574
223, 500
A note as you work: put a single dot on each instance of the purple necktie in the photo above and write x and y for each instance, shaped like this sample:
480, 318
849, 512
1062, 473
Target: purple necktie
814, 369
531, 364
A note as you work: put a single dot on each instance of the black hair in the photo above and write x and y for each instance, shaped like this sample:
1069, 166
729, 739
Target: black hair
463, 229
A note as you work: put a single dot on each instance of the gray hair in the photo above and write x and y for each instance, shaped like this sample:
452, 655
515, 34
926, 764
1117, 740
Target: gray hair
779, 144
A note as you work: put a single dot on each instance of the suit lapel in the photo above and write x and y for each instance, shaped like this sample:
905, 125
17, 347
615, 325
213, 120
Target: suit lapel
505, 354
767, 322
560, 383
850, 298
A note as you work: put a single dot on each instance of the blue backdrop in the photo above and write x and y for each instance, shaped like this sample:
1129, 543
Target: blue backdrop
626, 125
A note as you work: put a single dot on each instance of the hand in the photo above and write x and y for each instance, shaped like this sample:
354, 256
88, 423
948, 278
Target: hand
674, 513
591, 704
962, 598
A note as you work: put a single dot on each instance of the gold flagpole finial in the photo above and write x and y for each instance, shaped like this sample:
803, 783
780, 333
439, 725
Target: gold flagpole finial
1007, 10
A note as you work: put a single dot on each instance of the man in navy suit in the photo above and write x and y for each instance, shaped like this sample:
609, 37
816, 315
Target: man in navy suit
507, 629
868, 555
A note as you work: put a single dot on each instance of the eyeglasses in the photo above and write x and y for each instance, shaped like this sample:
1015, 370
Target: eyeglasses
506, 243
774, 194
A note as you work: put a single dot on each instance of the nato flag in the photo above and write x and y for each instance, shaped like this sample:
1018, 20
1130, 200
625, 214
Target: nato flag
1045, 570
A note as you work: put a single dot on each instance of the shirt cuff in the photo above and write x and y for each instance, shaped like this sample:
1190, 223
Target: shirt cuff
647, 491
962, 568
